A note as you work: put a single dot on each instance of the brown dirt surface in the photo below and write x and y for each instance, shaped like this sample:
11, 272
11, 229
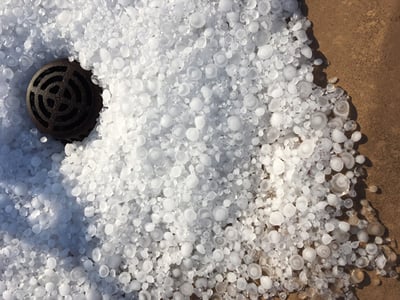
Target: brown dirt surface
361, 41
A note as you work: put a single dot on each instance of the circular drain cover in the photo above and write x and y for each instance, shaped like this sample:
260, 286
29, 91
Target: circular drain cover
63, 101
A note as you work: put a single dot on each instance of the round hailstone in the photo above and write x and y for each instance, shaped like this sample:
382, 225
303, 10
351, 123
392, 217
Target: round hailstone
234, 123
218, 255
323, 251
266, 282
250, 101
306, 51
220, 213
276, 119
186, 249
64, 289
200, 122
274, 237
211, 71
296, 262
289, 72
192, 181
197, 20
318, 120
278, 167
309, 254
338, 136
356, 136
220, 59
254, 271
192, 134
225, 5
265, 52
276, 218
306, 148
336, 164
340, 184
289, 210
348, 160
196, 104
341, 109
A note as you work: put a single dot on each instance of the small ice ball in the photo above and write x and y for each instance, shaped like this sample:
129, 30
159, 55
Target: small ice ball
186, 249
234, 123
348, 159
296, 262
356, 136
289, 210
196, 104
323, 251
20, 189
197, 20
276, 218
340, 184
306, 51
250, 101
326, 239
192, 134
274, 237
344, 226
336, 164
289, 72
200, 122
341, 109
276, 119
109, 229
192, 181
371, 248
265, 52
278, 167
64, 289
220, 213
266, 282
318, 120
218, 255
194, 73
254, 271
309, 254
306, 148
362, 236
338, 136
211, 71
220, 59
360, 159
186, 289
225, 5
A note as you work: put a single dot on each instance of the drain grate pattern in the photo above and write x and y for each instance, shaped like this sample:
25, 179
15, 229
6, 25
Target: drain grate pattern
63, 101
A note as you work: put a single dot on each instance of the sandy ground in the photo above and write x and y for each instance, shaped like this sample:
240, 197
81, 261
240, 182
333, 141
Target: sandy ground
361, 41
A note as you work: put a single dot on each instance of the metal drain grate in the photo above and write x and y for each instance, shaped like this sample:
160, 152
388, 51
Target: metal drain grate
63, 101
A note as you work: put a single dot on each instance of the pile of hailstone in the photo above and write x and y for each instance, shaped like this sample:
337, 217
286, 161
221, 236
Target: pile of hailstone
217, 168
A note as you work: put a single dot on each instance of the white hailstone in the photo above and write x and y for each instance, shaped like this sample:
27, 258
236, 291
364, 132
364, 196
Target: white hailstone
109, 229
264, 7
220, 59
220, 213
253, 27
274, 236
192, 181
276, 218
371, 248
118, 63
296, 262
338, 136
289, 210
176, 171
234, 123
200, 122
192, 134
96, 254
306, 148
218, 255
225, 5
64, 289
336, 164
344, 226
197, 20
356, 136
340, 184
323, 251
289, 72
318, 120
309, 254
194, 73
51, 263
276, 119
301, 204
254, 271
360, 159
341, 109
231, 233
348, 159
21, 189
196, 104
186, 249
278, 167
186, 289
241, 284
250, 101
211, 71
362, 236
265, 52
306, 51
124, 277
266, 282
326, 239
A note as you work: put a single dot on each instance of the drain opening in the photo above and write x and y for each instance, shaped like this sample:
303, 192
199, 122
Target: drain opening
63, 102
